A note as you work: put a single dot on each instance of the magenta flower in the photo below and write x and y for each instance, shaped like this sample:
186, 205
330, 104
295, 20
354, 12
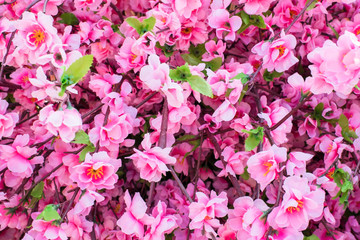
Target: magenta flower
130, 56
264, 166
18, 156
76, 226
225, 25
96, 172
235, 162
151, 162
299, 205
7, 120
64, 123
277, 55
205, 210
135, 217
256, 7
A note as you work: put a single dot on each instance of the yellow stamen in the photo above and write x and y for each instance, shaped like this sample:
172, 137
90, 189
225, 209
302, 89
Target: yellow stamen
298, 208
268, 165
281, 49
38, 36
95, 174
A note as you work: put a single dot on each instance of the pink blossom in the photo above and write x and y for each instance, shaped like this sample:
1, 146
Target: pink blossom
214, 50
7, 120
152, 161
102, 84
205, 210
256, 7
76, 226
18, 156
234, 162
96, 172
277, 55
296, 165
225, 25
185, 7
21, 77
46, 229
264, 166
130, 56
93, 5
332, 148
135, 217
64, 123
36, 35
299, 205
225, 112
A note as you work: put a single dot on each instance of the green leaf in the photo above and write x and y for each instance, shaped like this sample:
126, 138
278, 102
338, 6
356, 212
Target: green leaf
245, 17
254, 138
344, 181
270, 76
318, 111
81, 137
135, 23
214, 64
345, 130
188, 137
343, 122
312, 237
258, 21
199, 84
333, 30
148, 24
168, 50
243, 77
246, 174
181, 73
49, 213
80, 68
191, 59
198, 50
38, 190
89, 148
69, 19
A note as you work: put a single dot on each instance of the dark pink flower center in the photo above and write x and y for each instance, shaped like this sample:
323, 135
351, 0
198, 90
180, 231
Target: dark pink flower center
95, 173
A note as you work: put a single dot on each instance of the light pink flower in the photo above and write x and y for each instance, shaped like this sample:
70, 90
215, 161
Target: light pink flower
101, 83
256, 7
135, 217
64, 123
234, 162
36, 35
205, 210
155, 74
225, 112
96, 172
151, 162
76, 226
214, 50
185, 7
277, 55
299, 205
332, 148
296, 165
225, 25
130, 56
7, 120
46, 229
264, 166
18, 157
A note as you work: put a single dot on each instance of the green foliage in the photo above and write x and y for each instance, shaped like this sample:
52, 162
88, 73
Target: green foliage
49, 213
141, 27
181, 73
248, 20
75, 72
194, 57
81, 137
270, 76
243, 77
345, 130
246, 174
312, 237
343, 181
69, 19
38, 190
254, 138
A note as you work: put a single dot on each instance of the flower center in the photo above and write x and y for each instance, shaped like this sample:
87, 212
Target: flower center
298, 208
207, 218
24, 79
268, 165
95, 174
132, 57
281, 49
187, 30
329, 148
329, 175
38, 36
357, 30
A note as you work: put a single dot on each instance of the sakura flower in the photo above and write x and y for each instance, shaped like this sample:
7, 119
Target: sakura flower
225, 112
205, 210
18, 156
235, 162
264, 166
135, 217
256, 7
42, 229
186, 7
76, 226
96, 172
296, 165
300, 204
151, 162
277, 55
101, 83
7, 120
64, 123
214, 50
225, 25
130, 56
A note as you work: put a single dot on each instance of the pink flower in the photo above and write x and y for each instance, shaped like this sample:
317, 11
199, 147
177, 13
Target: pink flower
36, 35
96, 172
46, 229
296, 165
264, 166
299, 205
152, 161
135, 217
156, 74
225, 25
205, 210
101, 83
186, 7
62, 122
18, 157
277, 55
256, 7
214, 50
76, 226
235, 162
225, 112
7, 120
332, 148
130, 56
